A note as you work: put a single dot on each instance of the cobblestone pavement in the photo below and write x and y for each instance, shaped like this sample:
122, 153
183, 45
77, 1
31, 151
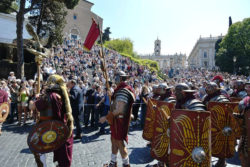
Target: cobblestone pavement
92, 150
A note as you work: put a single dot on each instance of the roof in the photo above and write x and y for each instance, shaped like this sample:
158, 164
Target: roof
88, 2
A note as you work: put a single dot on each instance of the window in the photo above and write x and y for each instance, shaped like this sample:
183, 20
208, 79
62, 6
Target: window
74, 16
73, 36
205, 54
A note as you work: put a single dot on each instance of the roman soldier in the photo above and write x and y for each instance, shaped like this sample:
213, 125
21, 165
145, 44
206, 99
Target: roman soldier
239, 89
214, 94
55, 105
119, 118
166, 93
244, 147
185, 98
167, 96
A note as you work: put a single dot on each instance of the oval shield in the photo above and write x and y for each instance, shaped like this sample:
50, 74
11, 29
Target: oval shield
47, 136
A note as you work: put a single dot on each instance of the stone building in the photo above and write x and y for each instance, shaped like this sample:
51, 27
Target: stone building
166, 61
79, 20
8, 28
203, 53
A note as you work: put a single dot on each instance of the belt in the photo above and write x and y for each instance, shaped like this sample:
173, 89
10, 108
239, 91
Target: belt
120, 116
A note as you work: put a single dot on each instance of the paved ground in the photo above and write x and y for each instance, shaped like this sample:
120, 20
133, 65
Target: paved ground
92, 150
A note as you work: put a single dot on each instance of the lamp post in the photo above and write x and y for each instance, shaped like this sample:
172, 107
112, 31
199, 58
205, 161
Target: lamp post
234, 60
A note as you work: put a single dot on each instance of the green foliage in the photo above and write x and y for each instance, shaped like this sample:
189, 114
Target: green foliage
235, 43
70, 4
8, 6
49, 20
151, 64
120, 45
105, 36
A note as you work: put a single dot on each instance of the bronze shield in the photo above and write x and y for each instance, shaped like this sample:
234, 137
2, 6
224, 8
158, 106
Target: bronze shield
161, 135
47, 136
225, 128
4, 111
190, 143
148, 130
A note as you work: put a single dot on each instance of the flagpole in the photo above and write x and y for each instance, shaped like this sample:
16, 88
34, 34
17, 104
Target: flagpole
102, 55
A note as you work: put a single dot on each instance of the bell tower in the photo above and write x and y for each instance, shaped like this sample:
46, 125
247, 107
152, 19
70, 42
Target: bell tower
157, 51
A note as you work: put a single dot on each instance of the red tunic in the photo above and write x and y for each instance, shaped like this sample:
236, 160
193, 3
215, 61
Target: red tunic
119, 128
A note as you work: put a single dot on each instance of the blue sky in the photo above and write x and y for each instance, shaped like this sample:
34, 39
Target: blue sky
177, 23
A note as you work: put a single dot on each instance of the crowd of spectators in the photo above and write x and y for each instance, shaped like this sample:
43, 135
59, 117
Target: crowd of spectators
83, 69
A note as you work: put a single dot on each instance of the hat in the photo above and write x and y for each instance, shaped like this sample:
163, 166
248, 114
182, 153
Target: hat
218, 77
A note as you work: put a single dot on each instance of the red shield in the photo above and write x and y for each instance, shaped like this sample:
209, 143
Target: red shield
4, 111
225, 128
148, 130
190, 143
247, 119
235, 99
161, 138
47, 136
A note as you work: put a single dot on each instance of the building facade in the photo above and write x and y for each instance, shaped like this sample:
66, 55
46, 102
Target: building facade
8, 28
166, 61
79, 20
203, 53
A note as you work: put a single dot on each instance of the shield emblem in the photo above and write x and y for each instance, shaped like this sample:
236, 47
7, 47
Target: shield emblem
190, 143
47, 136
161, 134
148, 130
224, 130
4, 111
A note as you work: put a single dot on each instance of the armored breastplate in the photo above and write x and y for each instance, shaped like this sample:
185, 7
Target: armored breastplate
125, 96
219, 98
170, 99
194, 104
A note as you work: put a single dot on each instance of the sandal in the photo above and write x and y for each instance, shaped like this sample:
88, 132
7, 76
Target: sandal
110, 164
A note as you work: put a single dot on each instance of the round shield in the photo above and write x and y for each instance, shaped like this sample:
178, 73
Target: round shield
47, 136
4, 110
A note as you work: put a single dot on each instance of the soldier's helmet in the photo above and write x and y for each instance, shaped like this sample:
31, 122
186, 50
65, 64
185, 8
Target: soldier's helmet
211, 87
180, 88
239, 84
120, 76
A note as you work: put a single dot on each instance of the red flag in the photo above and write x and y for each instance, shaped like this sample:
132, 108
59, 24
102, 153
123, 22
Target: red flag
93, 34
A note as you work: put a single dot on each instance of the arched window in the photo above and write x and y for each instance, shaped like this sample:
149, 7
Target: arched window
205, 54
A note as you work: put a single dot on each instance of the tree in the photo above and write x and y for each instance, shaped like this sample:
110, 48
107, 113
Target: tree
230, 21
5, 6
105, 35
120, 45
235, 44
49, 20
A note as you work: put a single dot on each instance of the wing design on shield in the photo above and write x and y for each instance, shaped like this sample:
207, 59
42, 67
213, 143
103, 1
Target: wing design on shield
148, 129
190, 138
161, 135
224, 129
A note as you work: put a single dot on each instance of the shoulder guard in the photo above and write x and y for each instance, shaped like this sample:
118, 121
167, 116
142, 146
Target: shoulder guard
124, 95
170, 99
220, 98
194, 104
